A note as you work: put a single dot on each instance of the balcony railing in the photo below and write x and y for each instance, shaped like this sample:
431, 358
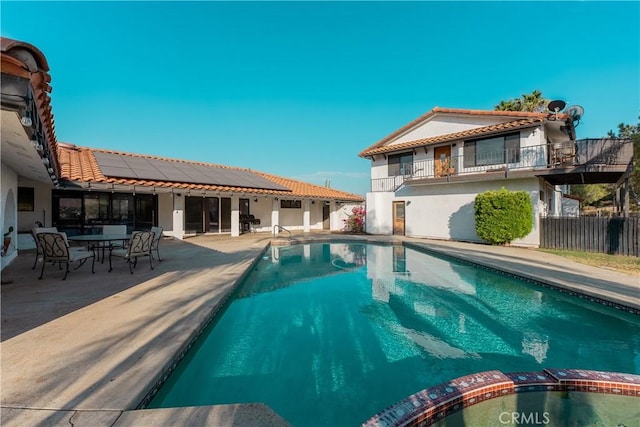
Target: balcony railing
585, 152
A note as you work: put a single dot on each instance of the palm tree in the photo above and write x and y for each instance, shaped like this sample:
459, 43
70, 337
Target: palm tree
533, 102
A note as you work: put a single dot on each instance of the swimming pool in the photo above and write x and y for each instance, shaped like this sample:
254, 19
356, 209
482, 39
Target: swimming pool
332, 333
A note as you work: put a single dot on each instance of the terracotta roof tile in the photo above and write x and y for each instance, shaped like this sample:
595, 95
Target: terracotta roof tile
38, 73
476, 132
456, 111
79, 164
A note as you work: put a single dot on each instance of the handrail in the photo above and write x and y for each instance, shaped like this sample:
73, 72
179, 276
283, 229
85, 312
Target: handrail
586, 153
279, 227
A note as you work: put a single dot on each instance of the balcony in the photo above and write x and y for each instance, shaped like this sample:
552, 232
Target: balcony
583, 161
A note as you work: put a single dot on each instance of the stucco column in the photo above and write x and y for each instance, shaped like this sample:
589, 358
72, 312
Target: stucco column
333, 216
235, 216
306, 215
275, 214
178, 216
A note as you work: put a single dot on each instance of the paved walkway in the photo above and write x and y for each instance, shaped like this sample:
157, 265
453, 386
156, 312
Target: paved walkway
86, 350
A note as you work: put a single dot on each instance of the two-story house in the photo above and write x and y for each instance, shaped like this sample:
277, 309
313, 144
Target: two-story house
425, 176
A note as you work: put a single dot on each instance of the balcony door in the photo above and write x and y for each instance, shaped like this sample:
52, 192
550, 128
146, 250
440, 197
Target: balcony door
442, 156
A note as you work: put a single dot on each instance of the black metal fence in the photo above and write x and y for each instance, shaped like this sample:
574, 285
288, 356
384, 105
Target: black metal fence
592, 234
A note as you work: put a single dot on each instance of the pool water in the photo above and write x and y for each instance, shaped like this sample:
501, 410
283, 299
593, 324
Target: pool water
329, 334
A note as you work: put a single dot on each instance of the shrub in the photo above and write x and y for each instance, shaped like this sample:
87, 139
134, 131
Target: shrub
355, 222
503, 216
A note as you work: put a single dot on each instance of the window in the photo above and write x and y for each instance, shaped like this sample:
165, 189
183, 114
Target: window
400, 164
26, 199
291, 204
122, 210
96, 208
492, 151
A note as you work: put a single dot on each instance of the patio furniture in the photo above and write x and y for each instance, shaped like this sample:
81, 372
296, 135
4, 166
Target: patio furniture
55, 248
34, 233
101, 241
139, 246
157, 235
112, 229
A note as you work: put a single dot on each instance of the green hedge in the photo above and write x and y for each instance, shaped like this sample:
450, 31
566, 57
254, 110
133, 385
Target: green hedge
503, 216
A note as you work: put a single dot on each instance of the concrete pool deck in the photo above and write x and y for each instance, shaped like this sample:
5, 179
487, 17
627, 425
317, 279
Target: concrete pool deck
85, 351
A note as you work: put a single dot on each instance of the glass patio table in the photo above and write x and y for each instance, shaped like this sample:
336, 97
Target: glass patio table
100, 238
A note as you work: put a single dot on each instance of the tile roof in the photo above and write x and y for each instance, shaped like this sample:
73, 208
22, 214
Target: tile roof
469, 133
457, 111
79, 164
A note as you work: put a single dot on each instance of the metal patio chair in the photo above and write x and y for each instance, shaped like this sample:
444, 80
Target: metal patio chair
157, 235
55, 248
34, 233
139, 246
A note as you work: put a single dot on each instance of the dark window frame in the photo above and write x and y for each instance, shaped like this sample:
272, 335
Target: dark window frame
400, 164
291, 204
510, 150
75, 221
26, 199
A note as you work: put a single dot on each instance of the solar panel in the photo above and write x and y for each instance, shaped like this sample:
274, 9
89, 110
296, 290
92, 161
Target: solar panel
122, 166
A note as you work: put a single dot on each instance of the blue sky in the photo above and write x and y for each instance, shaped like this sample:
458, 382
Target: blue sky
299, 88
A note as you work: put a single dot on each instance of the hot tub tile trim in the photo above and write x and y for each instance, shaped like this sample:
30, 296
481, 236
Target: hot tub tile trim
477, 389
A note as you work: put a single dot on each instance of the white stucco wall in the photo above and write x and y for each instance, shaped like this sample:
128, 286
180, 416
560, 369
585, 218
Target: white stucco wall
42, 205
177, 214
261, 209
9, 209
443, 124
165, 212
291, 218
379, 216
446, 211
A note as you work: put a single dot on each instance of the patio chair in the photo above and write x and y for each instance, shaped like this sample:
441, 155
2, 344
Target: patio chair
157, 235
34, 234
112, 229
139, 246
55, 248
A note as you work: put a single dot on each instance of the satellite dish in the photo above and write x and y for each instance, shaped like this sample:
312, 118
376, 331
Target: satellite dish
556, 106
575, 112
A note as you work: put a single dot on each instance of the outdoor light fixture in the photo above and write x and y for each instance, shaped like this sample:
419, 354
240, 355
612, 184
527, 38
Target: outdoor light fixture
313, 202
26, 119
45, 161
255, 199
50, 170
